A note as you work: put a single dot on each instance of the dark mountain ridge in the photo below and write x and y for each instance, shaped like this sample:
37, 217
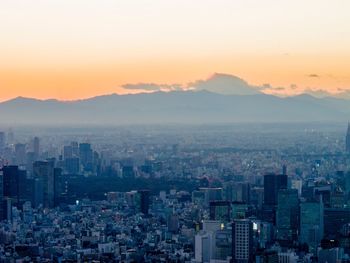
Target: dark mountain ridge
187, 107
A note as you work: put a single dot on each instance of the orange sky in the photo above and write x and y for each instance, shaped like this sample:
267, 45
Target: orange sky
69, 50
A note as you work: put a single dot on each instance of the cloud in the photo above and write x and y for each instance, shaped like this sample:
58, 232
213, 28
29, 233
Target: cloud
313, 76
142, 86
281, 91
227, 84
318, 93
153, 87
293, 86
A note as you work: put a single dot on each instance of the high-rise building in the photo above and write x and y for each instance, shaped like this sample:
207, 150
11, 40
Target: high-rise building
72, 165
237, 192
2, 141
220, 211
239, 210
67, 152
211, 194
222, 245
144, 201
311, 224
59, 186
287, 215
272, 184
86, 156
242, 241
203, 246
334, 220
14, 182
20, 153
36, 146
347, 140
75, 148
44, 170
128, 171
11, 182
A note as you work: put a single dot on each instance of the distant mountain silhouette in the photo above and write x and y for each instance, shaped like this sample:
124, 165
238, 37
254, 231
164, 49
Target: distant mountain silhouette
187, 107
226, 84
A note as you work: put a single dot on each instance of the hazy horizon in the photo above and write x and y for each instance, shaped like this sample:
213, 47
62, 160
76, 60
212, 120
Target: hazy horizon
72, 50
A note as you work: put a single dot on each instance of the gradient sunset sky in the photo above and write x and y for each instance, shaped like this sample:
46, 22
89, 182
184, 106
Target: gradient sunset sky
69, 49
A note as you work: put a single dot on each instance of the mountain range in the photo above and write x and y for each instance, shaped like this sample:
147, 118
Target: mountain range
198, 106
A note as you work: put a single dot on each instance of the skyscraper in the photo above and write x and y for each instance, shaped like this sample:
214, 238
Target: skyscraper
220, 211
311, 223
44, 171
144, 201
36, 147
72, 165
347, 141
67, 152
11, 182
272, 184
86, 156
287, 216
20, 153
242, 241
2, 141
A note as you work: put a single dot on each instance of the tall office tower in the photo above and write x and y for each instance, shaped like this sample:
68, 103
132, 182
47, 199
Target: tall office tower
72, 165
203, 246
287, 216
242, 241
272, 184
2, 141
14, 182
211, 194
67, 152
36, 147
20, 153
239, 210
10, 182
128, 171
144, 201
220, 211
59, 186
75, 148
334, 221
222, 245
348, 139
44, 171
237, 192
311, 224
86, 156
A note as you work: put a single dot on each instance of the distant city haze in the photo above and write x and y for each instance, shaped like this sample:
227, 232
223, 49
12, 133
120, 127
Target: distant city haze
78, 49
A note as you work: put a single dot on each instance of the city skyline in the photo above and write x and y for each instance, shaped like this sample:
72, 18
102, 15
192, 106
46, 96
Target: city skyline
69, 51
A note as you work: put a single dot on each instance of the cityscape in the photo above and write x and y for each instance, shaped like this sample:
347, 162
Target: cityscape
174, 131
234, 193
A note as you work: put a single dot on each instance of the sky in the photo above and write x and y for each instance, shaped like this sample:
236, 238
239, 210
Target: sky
72, 49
